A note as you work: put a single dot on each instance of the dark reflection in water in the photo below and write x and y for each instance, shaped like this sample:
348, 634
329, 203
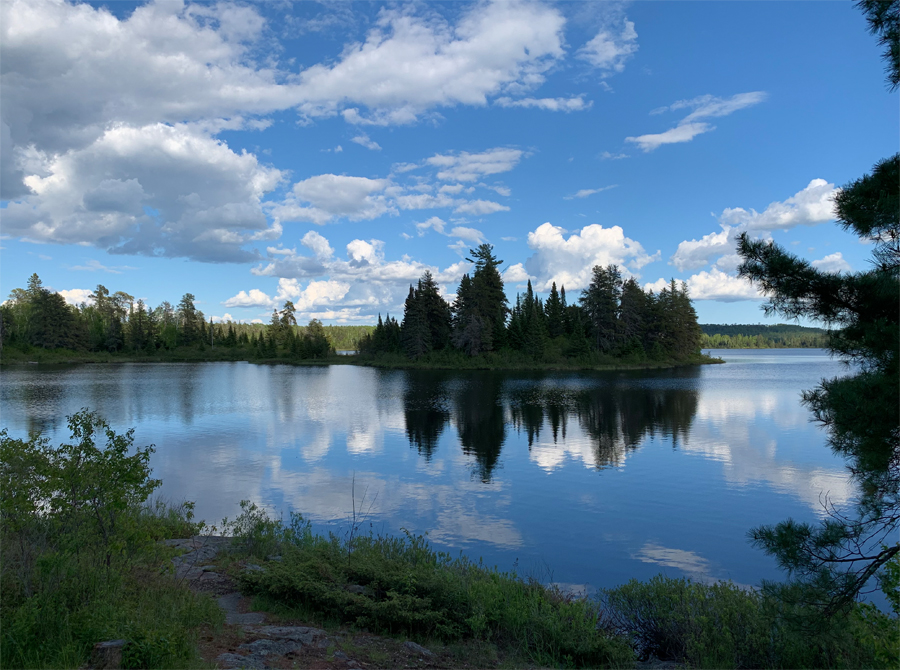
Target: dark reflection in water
478, 409
425, 406
618, 412
603, 476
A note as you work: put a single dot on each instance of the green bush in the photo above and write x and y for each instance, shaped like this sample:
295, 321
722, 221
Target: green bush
79, 561
724, 626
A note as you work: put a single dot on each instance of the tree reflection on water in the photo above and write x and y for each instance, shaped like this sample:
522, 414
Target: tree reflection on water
617, 413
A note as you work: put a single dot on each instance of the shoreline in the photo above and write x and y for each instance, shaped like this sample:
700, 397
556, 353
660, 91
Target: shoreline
480, 364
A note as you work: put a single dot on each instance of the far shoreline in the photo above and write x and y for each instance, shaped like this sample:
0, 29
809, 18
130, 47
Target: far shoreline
479, 363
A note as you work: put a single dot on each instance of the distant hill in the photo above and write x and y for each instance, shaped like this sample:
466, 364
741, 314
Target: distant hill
758, 336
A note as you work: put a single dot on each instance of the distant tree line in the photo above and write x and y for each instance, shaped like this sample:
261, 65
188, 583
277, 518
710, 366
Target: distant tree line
35, 317
611, 318
757, 336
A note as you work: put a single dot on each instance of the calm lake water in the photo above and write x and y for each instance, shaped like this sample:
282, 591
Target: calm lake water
584, 479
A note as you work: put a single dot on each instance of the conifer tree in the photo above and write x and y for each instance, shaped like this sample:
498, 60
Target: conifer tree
535, 333
436, 310
488, 298
515, 330
600, 301
555, 311
471, 330
831, 562
414, 330
188, 332
633, 316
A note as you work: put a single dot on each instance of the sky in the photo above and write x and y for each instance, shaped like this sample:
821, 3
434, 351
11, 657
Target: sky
329, 153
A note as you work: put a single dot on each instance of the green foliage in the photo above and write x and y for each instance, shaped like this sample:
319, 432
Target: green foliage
80, 563
426, 319
386, 338
402, 586
834, 560
883, 17
721, 625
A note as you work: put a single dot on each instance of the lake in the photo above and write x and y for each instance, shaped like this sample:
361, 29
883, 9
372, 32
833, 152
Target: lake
583, 479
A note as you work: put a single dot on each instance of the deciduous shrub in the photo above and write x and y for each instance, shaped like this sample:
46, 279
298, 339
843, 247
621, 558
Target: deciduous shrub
79, 561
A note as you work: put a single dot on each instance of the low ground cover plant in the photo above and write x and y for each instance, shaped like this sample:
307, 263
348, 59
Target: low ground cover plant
400, 585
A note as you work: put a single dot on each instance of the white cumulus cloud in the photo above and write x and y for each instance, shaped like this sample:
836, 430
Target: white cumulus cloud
809, 207
833, 263
326, 197
714, 285
409, 64
77, 296
569, 261
158, 189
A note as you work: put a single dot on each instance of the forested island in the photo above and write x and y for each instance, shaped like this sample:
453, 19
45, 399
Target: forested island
758, 336
613, 323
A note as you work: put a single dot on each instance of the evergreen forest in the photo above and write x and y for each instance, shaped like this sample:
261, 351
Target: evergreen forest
38, 319
613, 319
758, 336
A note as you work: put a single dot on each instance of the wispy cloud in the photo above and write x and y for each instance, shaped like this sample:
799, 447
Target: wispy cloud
585, 192
704, 107
574, 104
365, 141
97, 266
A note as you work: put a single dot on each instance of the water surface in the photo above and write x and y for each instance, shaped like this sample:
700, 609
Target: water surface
585, 479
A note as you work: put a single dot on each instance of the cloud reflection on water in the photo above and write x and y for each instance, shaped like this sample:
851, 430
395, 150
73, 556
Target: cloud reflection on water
294, 437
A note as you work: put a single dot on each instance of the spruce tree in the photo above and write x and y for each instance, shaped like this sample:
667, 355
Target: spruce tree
436, 310
471, 331
187, 320
600, 301
414, 331
555, 311
535, 332
515, 330
488, 298
633, 316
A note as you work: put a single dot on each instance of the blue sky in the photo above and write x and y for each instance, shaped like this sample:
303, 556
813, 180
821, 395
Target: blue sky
329, 153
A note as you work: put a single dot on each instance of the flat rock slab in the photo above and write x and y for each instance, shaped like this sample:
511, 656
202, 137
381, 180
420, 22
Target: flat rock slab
271, 647
417, 648
200, 550
302, 634
233, 615
229, 661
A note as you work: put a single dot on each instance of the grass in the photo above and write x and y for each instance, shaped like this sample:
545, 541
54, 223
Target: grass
400, 586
